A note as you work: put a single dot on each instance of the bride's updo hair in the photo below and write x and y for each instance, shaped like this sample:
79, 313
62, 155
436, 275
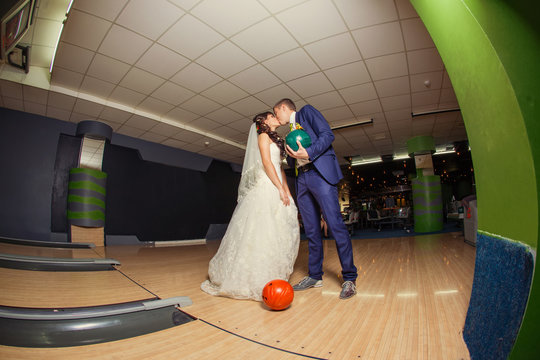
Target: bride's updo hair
262, 127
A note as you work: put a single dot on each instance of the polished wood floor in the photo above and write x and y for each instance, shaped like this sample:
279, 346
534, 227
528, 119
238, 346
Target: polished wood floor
412, 299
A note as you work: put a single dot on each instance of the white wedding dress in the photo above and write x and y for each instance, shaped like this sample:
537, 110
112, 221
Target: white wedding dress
262, 239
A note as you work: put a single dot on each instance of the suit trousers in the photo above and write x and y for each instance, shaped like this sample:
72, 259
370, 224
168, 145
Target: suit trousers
316, 195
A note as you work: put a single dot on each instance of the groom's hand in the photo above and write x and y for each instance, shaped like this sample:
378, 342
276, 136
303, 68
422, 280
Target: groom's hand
301, 153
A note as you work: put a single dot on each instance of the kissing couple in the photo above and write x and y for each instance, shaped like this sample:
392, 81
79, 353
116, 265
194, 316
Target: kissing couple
262, 239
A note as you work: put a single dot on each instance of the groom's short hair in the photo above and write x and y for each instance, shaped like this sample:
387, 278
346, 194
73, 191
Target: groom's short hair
287, 102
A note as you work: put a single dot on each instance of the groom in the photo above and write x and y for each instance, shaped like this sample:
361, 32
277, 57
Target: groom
318, 172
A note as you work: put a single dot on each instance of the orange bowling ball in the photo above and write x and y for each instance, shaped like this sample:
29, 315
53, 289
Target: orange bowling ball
278, 294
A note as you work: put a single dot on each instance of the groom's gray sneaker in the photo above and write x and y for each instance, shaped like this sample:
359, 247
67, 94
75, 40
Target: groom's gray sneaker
348, 290
307, 283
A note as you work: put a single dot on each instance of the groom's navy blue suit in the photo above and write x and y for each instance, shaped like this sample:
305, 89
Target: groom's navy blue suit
316, 191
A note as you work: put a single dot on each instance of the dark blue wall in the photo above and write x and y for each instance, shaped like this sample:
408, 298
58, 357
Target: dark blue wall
28, 151
27, 155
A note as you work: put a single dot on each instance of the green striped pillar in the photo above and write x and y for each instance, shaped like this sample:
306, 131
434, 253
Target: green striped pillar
86, 197
426, 187
427, 203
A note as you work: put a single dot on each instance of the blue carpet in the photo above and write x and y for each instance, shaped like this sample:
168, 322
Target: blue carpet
501, 286
388, 232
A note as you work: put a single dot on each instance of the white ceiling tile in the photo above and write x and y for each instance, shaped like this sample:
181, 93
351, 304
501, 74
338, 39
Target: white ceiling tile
447, 96
303, 21
396, 115
360, 13
396, 102
35, 95
205, 124
73, 57
67, 79
273, 95
172, 93
78, 117
149, 136
276, 6
93, 86
291, 65
265, 39
242, 125
114, 115
348, 75
405, 9
141, 122
126, 96
366, 108
61, 101
394, 86
200, 105
255, 79
224, 93
184, 4
434, 78
46, 32
155, 106
165, 129
130, 131
225, 131
334, 51
181, 116
141, 81
416, 35
336, 114
387, 66
249, 107
326, 101
107, 69
56, 113
106, 9
87, 107
195, 78
76, 30
218, 13
311, 85
426, 60
137, 13
400, 124
14, 104
124, 45
359, 93
379, 40
190, 37
35, 108
161, 61
188, 137
226, 59
425, 98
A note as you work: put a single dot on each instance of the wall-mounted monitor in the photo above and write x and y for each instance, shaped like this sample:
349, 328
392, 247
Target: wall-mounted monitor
16, 18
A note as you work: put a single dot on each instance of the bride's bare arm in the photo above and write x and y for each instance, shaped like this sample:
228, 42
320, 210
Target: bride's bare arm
285, 185
264, 147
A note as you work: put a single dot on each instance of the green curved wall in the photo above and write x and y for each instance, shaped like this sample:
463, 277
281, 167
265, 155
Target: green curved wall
491, 50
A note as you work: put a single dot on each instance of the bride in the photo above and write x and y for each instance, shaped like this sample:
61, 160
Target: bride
261, 242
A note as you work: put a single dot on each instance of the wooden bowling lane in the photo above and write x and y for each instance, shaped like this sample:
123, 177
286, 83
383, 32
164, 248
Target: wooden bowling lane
412, 299
192, 341
47, 251
51, 289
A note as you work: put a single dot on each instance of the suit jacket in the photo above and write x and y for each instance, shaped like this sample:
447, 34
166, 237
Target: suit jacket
321, 153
